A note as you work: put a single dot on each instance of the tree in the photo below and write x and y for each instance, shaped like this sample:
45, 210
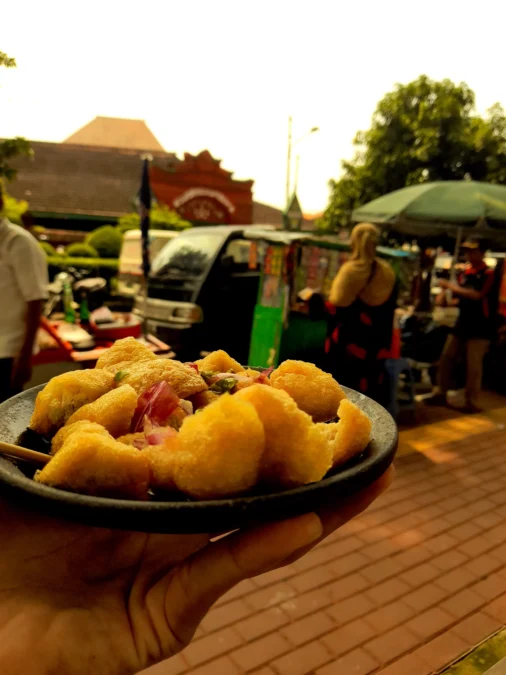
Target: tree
14, 208
161, 218
422, 131
14, 146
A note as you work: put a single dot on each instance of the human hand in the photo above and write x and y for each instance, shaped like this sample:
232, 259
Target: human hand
443, 283
78, 600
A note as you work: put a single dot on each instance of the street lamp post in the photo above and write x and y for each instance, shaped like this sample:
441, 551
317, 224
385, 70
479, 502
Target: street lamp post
289, 154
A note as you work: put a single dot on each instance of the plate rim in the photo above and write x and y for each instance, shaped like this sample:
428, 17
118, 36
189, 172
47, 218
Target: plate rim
17, 481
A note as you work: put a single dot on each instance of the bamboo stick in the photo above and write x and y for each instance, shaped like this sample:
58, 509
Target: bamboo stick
18, 452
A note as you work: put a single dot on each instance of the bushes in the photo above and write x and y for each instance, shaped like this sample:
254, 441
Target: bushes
106, 240
130, 221
100, 267
49, 250
161, 218
80, 250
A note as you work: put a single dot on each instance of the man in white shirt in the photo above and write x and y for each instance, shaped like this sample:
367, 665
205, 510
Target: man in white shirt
23, 288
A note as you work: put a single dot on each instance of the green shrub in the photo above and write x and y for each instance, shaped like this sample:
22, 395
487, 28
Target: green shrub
161, 218
81, 250
49, 250
106, 240
130, 221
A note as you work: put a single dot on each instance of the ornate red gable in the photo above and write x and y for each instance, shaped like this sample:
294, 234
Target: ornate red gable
202, 191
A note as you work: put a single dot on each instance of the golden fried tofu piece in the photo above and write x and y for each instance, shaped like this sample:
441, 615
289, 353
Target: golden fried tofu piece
203, 398
66, 393
97, 465
66, 432
219, 450
127, 350
113, 410
138, 439
350, 436
183, 379
296, 451
219, 362
314, 391
162, 460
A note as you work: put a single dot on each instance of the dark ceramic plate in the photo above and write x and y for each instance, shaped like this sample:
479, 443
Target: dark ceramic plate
187, 516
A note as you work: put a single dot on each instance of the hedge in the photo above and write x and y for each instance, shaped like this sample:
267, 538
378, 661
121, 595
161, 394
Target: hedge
102, 267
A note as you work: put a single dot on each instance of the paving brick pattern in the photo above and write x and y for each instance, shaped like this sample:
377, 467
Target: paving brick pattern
412, 584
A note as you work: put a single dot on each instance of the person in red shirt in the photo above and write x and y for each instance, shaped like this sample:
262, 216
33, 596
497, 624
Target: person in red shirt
474, 329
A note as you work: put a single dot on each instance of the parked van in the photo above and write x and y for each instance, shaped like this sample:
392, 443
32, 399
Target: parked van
202, 291
130, 259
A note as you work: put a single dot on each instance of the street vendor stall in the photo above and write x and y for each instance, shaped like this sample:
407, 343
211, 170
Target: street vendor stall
291, 263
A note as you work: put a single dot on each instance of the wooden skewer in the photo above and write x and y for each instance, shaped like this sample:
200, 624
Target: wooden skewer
18, 452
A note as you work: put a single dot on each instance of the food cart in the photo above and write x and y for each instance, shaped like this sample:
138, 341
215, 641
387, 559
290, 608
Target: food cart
289, 263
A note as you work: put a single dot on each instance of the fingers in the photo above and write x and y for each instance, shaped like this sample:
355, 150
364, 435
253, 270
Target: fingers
218, 568
336, 516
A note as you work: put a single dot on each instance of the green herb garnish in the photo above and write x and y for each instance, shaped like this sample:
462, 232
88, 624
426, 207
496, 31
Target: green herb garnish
224, 385
120, 375
208, 375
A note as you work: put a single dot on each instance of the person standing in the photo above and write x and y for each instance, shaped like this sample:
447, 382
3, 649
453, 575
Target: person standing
474, 329
364, 296
23, 289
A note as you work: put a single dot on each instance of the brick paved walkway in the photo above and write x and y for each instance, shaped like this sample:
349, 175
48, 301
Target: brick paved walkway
403, 590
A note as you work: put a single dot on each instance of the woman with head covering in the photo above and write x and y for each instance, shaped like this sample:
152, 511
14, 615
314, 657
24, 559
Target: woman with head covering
360, 332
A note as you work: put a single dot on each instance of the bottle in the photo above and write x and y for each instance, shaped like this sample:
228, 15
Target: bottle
68, 302
84, 311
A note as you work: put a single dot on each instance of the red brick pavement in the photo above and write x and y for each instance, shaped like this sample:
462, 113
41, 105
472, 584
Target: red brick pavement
414, 583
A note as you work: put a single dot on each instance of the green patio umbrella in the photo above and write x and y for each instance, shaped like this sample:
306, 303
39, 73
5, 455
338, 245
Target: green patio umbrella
454, 207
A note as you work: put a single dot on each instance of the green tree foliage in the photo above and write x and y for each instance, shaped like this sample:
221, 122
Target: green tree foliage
14, 208
106, 240
81, 250
161, 218
13, 146
422, 131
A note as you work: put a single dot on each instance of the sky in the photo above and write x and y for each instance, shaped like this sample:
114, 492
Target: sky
225, 75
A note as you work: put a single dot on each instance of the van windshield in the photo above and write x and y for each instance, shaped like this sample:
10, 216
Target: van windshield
187, 256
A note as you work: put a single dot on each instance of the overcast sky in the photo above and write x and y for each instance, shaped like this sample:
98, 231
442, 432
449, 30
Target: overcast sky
226, 74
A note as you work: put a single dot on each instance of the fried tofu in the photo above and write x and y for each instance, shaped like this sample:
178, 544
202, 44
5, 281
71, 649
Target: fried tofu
162, 462
296, 451
125, 351
98, 465
113, 410
203, 398
219, 362
313, 390
66, 393
183, 379
68, 430
350, 436
219, 450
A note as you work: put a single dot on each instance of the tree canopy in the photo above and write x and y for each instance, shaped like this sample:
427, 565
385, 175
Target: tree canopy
14, 146
422, 131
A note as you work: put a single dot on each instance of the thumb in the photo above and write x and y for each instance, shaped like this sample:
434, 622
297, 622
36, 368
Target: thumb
220, 566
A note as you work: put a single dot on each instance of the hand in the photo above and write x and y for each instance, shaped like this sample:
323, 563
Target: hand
21, 371
77, 600
444, 283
